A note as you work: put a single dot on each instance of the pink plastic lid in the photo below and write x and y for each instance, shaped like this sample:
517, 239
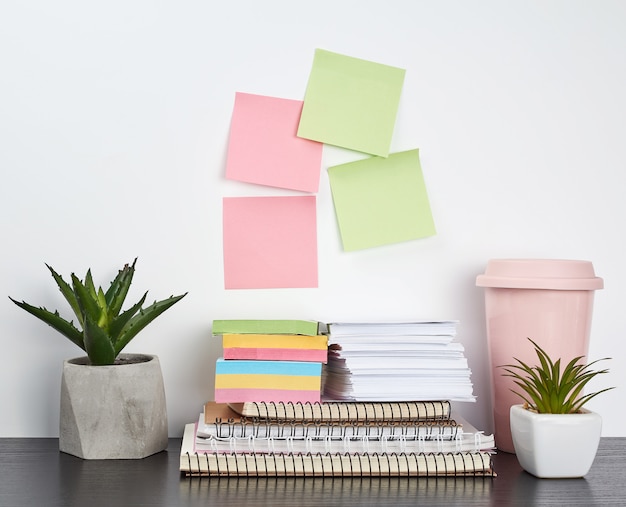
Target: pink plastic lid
557, 274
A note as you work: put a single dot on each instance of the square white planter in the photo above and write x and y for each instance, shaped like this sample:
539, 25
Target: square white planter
555, 445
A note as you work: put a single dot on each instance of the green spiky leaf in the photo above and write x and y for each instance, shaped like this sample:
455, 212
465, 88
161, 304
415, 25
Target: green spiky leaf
142, 319
68, 294
106, 330
549, 388
119, 323
54, 320
89, 285
97, 344
117, 291
88, 303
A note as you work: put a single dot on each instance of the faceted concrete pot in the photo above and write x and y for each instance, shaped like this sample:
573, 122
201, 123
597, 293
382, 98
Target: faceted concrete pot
113, 412
552, 446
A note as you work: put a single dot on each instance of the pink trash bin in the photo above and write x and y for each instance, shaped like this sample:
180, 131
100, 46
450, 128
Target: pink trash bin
548, 300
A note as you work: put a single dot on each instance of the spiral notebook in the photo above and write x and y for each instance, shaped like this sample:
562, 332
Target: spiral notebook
345, 410
219, 421
220, 429
196, 462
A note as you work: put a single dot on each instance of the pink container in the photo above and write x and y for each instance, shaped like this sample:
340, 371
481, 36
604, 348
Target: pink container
548, 300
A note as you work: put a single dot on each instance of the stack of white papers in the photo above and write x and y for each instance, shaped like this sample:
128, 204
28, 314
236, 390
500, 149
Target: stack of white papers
396, 362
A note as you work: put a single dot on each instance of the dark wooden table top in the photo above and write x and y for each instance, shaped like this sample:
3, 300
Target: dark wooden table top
34, 473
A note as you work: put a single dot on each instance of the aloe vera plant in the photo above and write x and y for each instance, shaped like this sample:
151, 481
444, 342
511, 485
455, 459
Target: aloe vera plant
104, 329
548, 390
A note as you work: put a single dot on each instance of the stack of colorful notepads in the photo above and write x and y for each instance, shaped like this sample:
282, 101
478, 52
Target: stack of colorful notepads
270, 361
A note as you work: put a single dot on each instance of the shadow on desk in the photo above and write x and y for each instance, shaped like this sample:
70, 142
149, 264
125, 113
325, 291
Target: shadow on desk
605, 484
335, 491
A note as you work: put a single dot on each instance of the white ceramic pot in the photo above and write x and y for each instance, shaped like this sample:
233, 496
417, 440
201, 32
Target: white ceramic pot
113, 412
555, 445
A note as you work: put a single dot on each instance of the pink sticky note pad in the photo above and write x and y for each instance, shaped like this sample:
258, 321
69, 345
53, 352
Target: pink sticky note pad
270, 242
263, 147
266, 395
275, 354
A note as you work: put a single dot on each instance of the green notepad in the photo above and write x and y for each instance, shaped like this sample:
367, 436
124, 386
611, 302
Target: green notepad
266, 326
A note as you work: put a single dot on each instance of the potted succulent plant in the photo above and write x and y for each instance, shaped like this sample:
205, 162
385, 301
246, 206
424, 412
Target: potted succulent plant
112, 404
553, 434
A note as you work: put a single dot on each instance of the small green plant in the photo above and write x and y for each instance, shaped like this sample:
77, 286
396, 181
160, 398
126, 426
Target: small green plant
106, 329
547, 390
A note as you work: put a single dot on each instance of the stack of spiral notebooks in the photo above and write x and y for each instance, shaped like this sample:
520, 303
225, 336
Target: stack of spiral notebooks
334, 439
274, 418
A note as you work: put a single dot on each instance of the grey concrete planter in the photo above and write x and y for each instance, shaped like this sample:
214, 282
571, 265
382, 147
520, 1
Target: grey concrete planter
113, 412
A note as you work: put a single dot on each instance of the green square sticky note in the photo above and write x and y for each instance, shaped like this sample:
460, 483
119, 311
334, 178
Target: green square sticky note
379, 201
351, 103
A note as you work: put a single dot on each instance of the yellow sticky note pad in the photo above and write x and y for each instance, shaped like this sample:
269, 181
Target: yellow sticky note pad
351, 103
379, 201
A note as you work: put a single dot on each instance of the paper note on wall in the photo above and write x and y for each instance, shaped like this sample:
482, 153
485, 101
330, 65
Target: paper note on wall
351, 103
264, 149
379, 201
270, 242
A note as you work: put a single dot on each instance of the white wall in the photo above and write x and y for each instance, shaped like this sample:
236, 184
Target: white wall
114, 119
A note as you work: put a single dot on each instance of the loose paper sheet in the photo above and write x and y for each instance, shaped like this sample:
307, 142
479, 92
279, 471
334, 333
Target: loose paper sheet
379, 201
270, 242
351, 103
263, 147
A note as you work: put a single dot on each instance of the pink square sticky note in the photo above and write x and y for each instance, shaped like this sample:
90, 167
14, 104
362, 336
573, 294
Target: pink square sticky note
263, 147
270, 242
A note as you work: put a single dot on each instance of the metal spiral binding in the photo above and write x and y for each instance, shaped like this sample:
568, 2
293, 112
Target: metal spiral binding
474, 464
290, 411
261, 428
